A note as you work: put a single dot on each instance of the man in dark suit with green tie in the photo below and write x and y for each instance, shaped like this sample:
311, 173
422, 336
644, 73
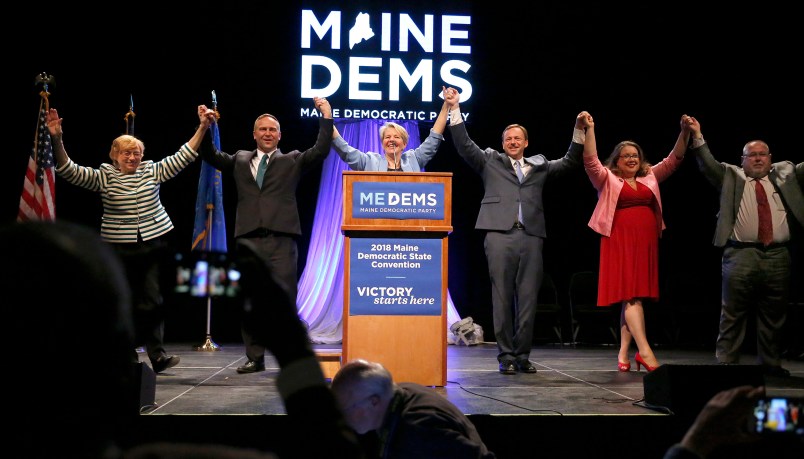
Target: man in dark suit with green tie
267, 211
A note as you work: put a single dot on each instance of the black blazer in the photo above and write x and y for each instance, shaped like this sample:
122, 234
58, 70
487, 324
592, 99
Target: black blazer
272, 207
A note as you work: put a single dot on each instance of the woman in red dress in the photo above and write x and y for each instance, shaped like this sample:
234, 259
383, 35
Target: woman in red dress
628, 217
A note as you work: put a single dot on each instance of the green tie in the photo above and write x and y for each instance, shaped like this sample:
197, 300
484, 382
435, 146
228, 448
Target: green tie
261, 170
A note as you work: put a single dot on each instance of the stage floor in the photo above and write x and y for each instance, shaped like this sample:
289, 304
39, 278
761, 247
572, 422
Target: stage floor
577, 405
570, 381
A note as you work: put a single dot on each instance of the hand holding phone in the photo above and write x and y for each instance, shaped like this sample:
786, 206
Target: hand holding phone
723, 420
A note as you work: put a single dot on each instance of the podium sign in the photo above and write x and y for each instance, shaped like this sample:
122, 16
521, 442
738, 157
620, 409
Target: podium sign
395, 277
395, 272
398, 200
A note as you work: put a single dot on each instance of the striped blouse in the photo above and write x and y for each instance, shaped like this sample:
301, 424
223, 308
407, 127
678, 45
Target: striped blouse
131, 202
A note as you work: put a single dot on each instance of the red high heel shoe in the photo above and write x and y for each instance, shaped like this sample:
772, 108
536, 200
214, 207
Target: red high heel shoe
639, 362
623, 366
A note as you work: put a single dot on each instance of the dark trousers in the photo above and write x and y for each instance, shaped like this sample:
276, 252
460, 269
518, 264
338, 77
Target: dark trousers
281, 252
142, 261
755, 280
516, 270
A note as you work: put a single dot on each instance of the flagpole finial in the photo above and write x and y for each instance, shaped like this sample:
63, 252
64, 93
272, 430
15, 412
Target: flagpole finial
129, 117
215, 105
44, 79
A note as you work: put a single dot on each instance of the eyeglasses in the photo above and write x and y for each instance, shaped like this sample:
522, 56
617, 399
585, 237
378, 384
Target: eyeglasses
629, 156
129, 154
761, 154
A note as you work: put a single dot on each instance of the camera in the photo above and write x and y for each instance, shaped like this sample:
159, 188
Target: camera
206, 274
778, 415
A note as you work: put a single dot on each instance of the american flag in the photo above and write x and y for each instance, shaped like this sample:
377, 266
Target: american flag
38, 200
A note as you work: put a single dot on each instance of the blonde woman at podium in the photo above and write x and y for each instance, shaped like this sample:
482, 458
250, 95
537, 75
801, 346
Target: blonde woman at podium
394, 139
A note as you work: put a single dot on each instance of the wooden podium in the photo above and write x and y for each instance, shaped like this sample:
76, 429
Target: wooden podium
395, 228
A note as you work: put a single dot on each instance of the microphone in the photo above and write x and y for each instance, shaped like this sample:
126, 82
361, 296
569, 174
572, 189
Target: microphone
393, 144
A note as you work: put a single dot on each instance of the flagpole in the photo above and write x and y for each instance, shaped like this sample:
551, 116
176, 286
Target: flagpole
38, 198
209, 345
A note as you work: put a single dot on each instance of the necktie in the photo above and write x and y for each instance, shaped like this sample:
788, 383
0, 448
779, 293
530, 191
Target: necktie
765, 233
520, 176
261, 170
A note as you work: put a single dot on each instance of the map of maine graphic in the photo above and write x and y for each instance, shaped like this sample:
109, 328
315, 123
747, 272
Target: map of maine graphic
361, 30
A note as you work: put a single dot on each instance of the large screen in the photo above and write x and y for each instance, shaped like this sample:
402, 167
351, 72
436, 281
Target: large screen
373, 63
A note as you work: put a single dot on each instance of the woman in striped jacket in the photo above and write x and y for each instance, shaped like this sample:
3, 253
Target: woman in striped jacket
134, 219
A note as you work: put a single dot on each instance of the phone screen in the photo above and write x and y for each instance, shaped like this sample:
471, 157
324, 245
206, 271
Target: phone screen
778, 415
204, 274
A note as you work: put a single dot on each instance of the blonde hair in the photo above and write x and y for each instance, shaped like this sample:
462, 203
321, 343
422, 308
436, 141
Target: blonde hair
402, 131
123, 143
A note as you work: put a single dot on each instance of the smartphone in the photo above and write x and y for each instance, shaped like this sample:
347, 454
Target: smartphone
206, 274
779, 415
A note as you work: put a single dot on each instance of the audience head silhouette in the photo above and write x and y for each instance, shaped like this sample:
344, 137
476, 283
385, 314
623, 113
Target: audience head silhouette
72, 307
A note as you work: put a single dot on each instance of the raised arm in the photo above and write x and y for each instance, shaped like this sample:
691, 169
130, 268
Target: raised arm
680, 148
301, 384
595, 170
205, 117
322, 104
54, 126
450, 98
693, 126
315, 155
453, 100
584, 122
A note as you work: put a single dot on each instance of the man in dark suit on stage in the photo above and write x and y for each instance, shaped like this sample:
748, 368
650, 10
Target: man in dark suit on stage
512, 215
267, 211
756, 272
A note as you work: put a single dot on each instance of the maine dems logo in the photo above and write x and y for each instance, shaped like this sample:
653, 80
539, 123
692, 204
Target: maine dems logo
383, 65
401, 201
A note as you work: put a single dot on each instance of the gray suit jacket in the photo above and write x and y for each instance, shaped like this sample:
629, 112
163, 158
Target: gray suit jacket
500, 203
786, 177
272, 206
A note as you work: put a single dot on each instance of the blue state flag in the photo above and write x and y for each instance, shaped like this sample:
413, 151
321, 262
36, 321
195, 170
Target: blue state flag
209, 231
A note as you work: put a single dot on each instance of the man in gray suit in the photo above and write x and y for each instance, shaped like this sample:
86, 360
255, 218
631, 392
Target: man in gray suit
267, 212
756, 274
512, 216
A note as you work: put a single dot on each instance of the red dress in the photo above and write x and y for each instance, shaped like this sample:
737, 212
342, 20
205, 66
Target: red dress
629, 258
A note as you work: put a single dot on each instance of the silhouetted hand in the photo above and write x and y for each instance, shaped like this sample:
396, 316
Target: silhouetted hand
724, 420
